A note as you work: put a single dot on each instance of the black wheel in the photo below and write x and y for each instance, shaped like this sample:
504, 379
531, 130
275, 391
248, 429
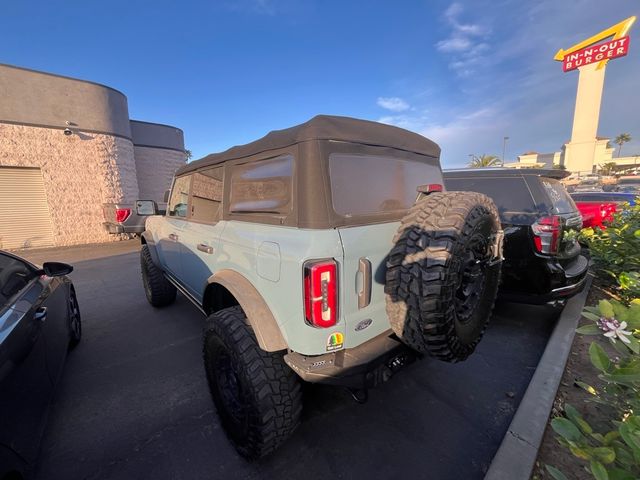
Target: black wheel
160, 292
75, 321
257, 396
441, 283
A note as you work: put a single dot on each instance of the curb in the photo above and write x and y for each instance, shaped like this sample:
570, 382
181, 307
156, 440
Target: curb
518, 451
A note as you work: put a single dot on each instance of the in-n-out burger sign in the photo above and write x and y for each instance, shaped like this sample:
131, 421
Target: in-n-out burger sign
585, 53
596, 53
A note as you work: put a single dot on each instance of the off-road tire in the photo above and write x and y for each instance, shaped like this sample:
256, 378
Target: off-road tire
160, 292
267, 392
439, 297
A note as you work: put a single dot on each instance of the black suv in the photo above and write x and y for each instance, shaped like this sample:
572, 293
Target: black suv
542, 262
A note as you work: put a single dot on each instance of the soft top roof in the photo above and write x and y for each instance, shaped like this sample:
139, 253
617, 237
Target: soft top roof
325, 127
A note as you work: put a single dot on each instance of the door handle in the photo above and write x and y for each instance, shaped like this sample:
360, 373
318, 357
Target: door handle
205, 248
173, 237
41, 314
364, 271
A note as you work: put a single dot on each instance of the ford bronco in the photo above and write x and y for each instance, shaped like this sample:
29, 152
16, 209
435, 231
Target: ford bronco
328, 252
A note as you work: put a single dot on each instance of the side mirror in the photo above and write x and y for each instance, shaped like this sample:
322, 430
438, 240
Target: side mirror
165, 199
56, 269
146, 207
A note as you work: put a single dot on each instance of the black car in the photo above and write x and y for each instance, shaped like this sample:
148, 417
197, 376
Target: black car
542, 263
39, 323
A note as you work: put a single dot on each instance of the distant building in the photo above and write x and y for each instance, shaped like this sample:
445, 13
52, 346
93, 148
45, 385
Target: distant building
602, 154
67, 147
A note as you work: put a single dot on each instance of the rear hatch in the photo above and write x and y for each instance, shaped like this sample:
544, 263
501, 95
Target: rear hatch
362, 188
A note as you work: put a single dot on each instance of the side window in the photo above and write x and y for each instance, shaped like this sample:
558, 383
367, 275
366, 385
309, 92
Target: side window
206, 195
262, 187
14, 276
179, 201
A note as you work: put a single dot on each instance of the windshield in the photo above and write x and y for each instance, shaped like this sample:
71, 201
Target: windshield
562, 202
369, 184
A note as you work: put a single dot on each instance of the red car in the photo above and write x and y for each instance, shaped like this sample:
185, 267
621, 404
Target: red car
598, 207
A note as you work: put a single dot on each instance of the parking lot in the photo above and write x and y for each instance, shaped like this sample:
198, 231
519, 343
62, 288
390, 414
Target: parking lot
133, 401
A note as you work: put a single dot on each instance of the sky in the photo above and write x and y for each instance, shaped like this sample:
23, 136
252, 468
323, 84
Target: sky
465, 73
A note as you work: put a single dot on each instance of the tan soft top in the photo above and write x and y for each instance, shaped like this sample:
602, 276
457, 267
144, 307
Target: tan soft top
325, 127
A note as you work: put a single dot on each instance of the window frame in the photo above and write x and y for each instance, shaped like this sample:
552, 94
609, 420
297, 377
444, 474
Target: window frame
173, 185
189, 216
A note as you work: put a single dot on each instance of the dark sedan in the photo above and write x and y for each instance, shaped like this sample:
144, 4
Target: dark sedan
39, 323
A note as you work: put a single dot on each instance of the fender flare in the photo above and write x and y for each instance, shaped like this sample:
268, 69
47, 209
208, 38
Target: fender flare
255, 308
146, 238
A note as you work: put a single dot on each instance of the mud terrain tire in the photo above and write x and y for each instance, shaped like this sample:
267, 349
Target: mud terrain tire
440, 282
257, 396
160, 292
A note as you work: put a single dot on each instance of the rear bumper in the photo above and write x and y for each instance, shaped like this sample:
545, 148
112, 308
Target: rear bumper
114, 228
368, 365
565, 286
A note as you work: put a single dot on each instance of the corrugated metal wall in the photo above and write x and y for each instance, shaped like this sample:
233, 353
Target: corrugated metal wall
25, 221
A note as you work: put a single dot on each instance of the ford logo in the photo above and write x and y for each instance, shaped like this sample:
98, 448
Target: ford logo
363, 324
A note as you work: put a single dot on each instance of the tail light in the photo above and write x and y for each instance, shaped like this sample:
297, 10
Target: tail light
122, 214
547, 232
321, 293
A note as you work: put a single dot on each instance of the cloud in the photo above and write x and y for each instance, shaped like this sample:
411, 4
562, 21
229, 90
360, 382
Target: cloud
395, 104
465, 42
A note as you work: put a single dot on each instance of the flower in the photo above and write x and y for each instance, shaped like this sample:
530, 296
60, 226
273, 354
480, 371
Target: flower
612, 328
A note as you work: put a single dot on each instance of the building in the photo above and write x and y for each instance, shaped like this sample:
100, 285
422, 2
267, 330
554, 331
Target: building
602, 155
67, 147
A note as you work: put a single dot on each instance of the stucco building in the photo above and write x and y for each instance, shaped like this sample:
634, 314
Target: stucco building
67, 147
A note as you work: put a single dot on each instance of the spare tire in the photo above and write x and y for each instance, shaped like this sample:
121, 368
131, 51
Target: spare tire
443, 273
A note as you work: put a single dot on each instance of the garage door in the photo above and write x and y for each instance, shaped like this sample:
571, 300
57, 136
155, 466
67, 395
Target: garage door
25, 221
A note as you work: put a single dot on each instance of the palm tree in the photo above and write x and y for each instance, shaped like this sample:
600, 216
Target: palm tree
484, 161
608, 168
621, 140
188, 154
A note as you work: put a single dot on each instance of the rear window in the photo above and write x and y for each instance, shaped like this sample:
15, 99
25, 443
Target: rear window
561, 200
262, 187
510, 194
369, 184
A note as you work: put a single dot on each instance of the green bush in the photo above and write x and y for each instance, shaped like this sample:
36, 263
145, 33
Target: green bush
616, 250
612, 454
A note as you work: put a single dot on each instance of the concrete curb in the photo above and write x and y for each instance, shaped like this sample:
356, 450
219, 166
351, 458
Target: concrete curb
518, 451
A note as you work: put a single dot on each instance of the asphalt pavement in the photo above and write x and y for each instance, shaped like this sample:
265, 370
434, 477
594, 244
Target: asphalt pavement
133, 401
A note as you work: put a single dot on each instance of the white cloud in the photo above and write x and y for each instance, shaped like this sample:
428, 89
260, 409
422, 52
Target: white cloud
395, 104
454, 44
465, 42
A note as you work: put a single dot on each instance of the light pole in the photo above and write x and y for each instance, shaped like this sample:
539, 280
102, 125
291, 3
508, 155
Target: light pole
504, 148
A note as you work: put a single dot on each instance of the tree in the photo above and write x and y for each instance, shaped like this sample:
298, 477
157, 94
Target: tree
559, 166
608, 168
484, 161
188, 154
621, 140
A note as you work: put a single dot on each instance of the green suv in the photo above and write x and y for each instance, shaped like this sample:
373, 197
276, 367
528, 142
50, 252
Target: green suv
327, 252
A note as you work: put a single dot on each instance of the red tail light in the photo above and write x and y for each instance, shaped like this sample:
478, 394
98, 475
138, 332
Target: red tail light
547, 232
321, 293
122, 214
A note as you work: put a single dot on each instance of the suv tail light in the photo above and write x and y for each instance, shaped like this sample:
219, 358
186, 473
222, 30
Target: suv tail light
122, 214
547, 232
321, 293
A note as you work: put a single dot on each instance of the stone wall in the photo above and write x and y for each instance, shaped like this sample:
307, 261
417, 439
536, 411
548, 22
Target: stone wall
81, 172
155, 167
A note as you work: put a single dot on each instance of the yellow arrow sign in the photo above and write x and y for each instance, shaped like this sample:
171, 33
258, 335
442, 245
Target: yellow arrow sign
617, 31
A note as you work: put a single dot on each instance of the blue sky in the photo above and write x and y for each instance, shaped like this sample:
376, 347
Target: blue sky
464, 73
